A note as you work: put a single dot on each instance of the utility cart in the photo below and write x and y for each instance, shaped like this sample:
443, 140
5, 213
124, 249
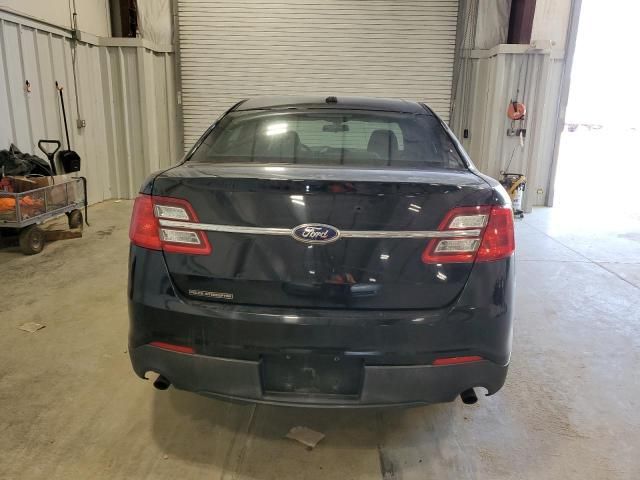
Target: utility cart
25, 211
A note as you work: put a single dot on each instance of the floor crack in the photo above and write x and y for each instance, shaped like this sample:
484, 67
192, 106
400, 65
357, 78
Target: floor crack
387, 467
243, 450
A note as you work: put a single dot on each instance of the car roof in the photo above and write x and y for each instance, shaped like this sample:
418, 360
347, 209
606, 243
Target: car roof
339, 102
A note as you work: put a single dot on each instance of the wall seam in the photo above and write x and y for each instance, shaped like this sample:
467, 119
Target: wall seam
6, 81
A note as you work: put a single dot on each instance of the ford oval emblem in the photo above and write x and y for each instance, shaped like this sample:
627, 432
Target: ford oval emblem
315, 233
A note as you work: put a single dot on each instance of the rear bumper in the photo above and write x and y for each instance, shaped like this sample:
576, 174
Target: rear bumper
395, 348
381, 386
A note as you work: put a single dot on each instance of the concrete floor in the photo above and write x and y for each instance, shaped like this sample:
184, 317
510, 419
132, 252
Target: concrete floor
70, 406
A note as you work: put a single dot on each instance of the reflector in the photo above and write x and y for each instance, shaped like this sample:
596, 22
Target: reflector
172, 347
457, 360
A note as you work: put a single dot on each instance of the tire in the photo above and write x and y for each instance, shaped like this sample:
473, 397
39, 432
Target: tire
31, 240
75, 219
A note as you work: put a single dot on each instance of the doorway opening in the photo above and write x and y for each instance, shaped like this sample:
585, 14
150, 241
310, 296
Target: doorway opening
599, 156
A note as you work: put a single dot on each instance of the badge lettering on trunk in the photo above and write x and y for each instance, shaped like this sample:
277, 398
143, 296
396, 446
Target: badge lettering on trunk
315, 233
208, 294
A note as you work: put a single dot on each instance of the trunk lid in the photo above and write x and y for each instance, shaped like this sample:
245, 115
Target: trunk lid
260, 268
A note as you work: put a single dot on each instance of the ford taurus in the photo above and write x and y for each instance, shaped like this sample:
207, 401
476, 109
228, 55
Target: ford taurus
323, 252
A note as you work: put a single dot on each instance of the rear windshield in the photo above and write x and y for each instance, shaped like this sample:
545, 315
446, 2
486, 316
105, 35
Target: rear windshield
352, 138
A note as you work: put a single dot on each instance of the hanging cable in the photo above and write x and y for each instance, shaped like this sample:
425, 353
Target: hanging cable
74, 54
458, 60
473, 20
463, 73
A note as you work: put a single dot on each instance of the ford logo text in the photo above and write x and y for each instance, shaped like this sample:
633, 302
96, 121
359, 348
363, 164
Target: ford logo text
315, 233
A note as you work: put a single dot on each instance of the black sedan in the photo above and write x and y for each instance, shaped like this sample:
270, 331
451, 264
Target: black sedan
327, 252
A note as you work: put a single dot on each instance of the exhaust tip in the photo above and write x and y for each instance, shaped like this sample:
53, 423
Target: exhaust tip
469, 397
162, 383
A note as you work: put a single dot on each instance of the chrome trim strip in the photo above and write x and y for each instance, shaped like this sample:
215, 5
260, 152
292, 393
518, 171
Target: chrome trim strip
409, 233
224, 228
343, 233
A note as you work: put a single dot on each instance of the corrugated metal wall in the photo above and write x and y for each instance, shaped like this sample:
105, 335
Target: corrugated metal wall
126, 94
232, 50
489, 80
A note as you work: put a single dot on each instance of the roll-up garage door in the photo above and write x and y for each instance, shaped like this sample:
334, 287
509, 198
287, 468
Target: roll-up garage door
230, 50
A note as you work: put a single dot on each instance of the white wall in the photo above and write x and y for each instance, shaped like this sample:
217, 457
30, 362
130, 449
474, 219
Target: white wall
93, 15
493, 23
126, 95
551, 21
155, 21
491, 81
488, 78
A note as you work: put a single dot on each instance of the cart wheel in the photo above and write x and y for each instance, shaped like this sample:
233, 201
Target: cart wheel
75, 219
31, 240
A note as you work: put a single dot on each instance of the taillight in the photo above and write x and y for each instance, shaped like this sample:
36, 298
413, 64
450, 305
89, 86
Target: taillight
498, 240
481, 234
147, 231
143, 230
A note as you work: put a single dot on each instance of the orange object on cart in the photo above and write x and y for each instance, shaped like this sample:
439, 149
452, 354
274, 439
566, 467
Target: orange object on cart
7, 203
29, 206
30, 201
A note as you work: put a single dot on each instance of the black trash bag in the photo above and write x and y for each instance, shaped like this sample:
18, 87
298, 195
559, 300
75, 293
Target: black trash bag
14, 162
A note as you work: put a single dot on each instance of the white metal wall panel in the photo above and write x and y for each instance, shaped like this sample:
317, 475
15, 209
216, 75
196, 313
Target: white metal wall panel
489, 84
126, 94
231, 50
